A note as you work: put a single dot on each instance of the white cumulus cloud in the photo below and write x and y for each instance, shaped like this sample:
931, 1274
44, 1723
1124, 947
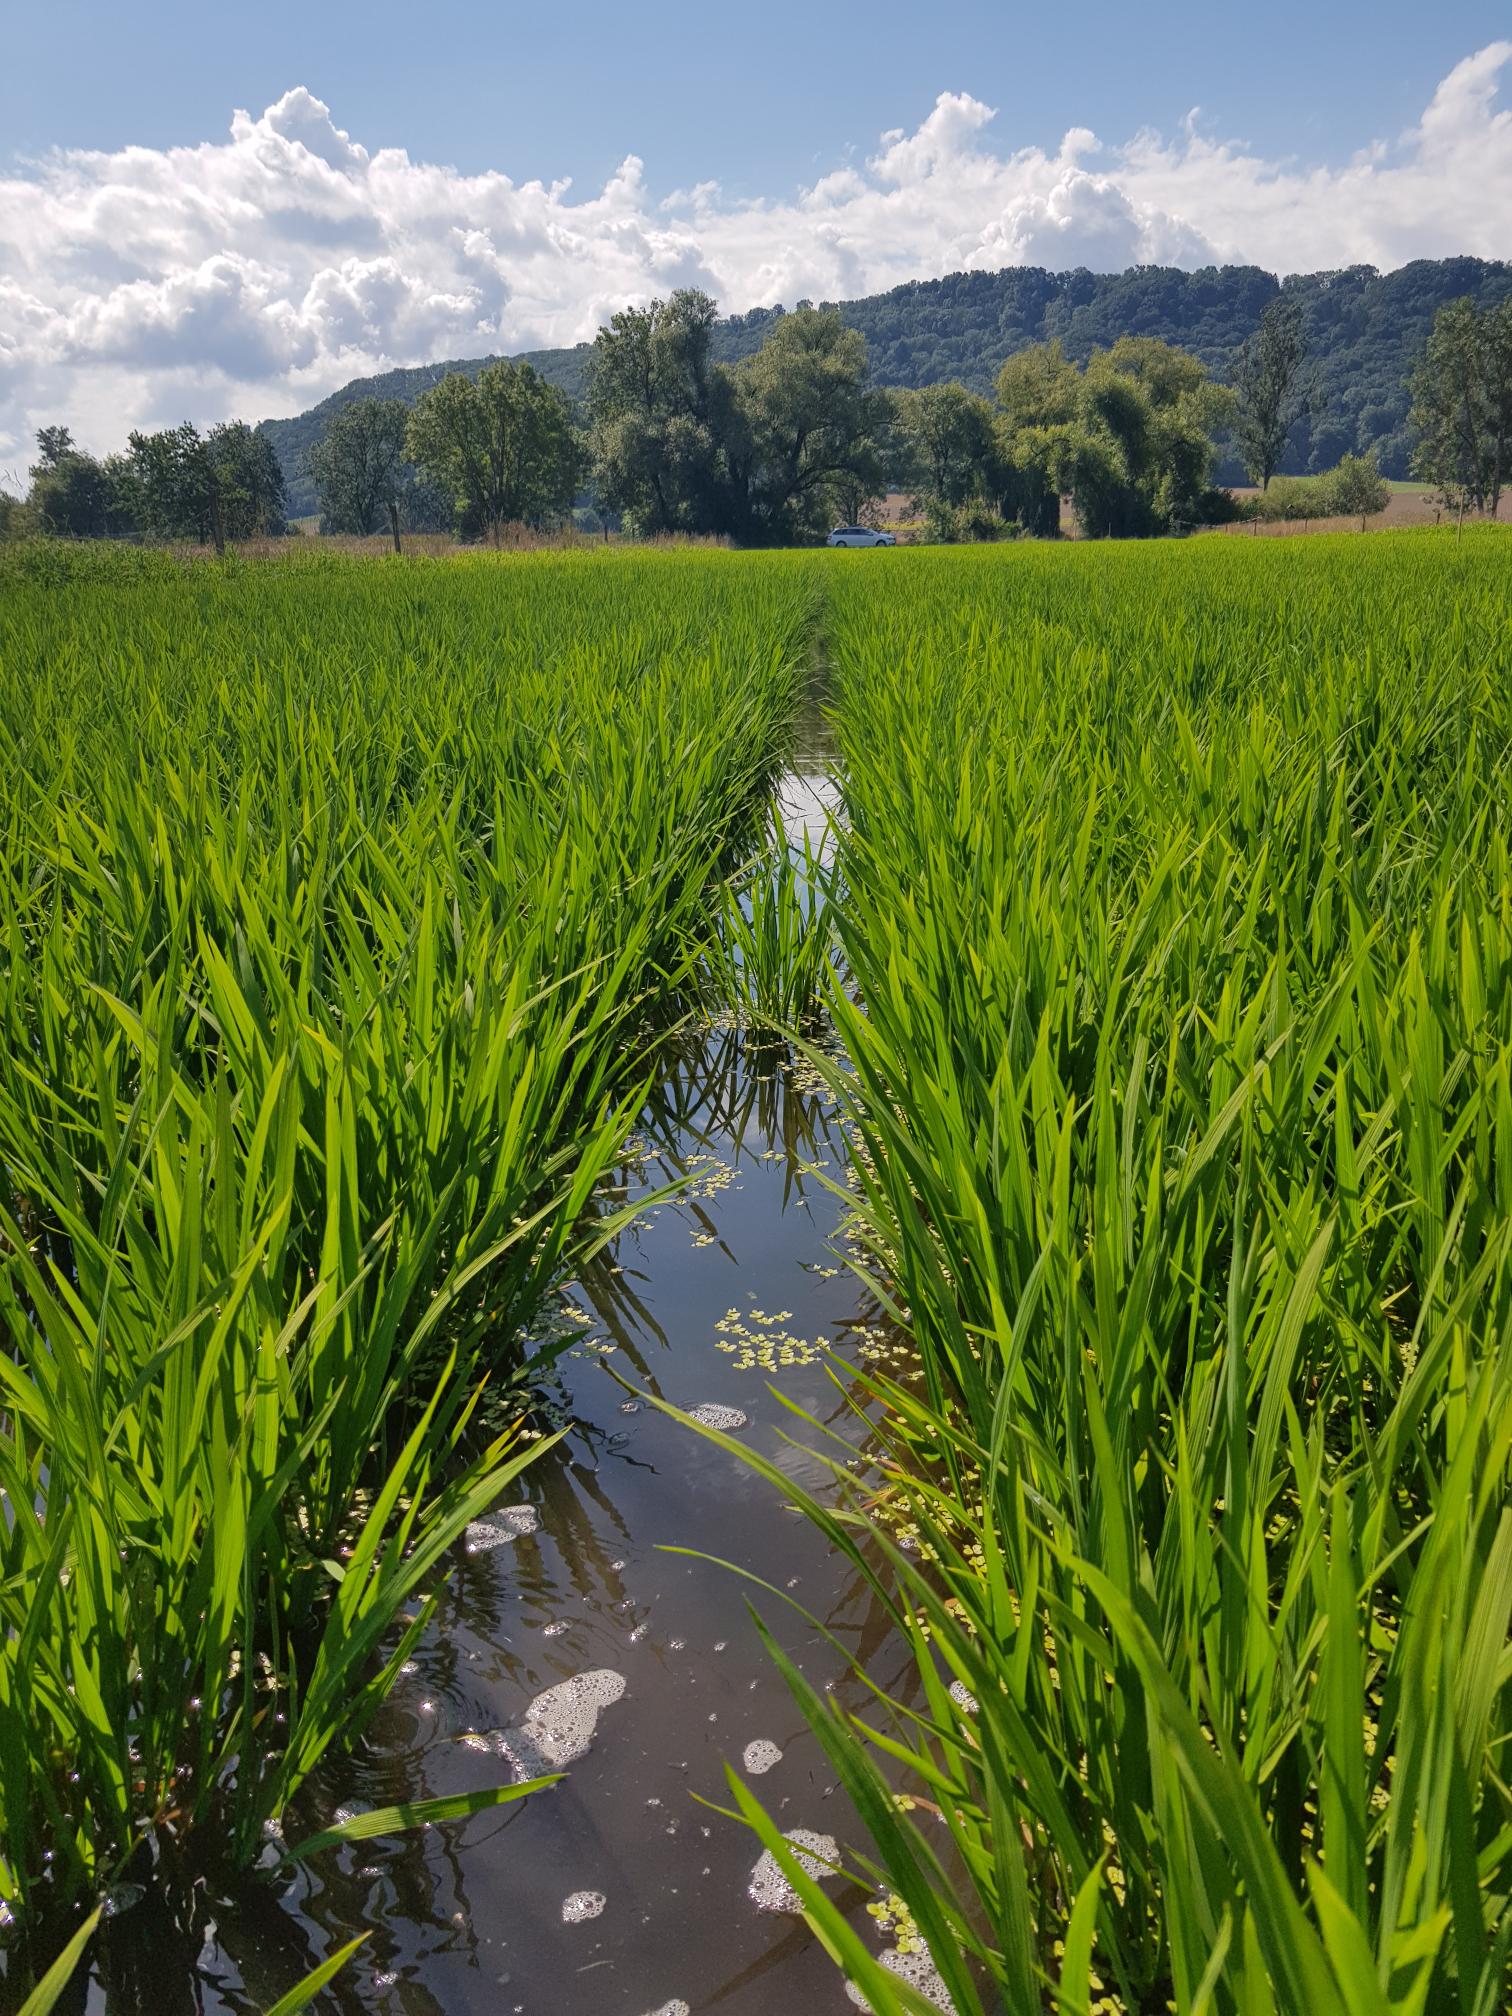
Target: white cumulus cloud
251, 275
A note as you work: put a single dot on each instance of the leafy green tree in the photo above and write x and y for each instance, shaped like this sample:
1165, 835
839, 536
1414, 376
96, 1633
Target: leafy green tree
226, 484
1270, 390
1497, 353
73, 496
173, 483
1357, 489
1130, 438
502, 444
1295, 500
17, 519
1185, 410
813, 427
246, 481
765, 452
1462, 405
70, 493
54, 445
1038, 393
662, 415
359, 467
951, 442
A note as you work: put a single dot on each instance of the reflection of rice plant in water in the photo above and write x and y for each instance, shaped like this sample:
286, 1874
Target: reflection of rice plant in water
339, 903
1179, 918
772, 956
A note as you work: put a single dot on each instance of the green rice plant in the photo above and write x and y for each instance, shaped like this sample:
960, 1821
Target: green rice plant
341, 908
771, 956
1179, 917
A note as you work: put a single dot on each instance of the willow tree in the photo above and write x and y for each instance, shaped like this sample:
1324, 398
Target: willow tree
502, 444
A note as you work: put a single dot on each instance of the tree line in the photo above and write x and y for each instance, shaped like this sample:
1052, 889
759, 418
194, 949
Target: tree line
1364, 332
777, 446
222, 485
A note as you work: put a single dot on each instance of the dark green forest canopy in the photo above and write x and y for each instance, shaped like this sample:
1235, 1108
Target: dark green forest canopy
1364, 330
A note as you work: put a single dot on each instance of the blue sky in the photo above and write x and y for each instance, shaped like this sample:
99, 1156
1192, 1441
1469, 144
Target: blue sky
761, 94
210, 212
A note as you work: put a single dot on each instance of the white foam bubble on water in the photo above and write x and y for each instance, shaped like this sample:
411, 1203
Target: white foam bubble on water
557, 1727
963, 1697
770, 1890
712, 1415
761, 1756
676, 2007
121, 1897
918, 1970
504, 1525
581, 1906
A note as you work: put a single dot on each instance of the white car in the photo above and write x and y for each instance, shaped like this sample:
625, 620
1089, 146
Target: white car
859, 535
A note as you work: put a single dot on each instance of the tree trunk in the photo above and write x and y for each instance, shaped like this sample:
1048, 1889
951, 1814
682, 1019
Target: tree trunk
394, 524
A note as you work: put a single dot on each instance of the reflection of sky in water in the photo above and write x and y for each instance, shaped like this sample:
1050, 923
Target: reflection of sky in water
807, 794
809, 803
467, 1920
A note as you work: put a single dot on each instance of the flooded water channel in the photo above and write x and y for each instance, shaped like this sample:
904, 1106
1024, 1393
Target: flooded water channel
616, 1890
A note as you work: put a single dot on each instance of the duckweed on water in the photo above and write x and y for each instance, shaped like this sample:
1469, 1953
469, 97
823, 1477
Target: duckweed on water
756, 1342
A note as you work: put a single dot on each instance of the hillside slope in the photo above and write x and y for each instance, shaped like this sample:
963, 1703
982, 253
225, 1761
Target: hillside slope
1364, 330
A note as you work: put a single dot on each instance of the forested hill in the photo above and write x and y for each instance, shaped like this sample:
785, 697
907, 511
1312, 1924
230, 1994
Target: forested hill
1364, 330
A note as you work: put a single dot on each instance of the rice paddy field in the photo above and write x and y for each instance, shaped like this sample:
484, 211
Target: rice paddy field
1113, 1244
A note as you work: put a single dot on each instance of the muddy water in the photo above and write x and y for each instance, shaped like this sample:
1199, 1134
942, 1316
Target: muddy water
616, 1891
